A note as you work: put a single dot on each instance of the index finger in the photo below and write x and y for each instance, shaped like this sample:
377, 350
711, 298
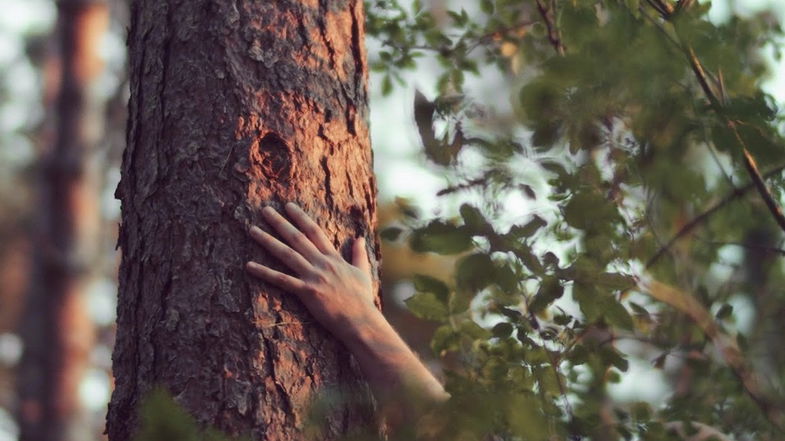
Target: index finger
310, 228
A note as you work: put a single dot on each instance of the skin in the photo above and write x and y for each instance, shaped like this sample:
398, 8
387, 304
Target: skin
339, 295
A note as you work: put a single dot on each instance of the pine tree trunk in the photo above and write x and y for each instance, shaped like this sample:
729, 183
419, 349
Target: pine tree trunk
56, 329
236, 105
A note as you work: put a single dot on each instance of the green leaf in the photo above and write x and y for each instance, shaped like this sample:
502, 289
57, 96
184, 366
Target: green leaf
529, 259
616, 314
444, 339
423, 283
588, 299
474, 272
550, 290
474, 220
528, 229
387, 85
440, 237
391, 233
611, 356
616, 280
427, 306
639, 310
589, 210
502, 330
724, 312
473, 330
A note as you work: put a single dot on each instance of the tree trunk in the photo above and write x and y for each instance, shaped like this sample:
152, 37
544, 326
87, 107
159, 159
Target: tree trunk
56, 330
236, 105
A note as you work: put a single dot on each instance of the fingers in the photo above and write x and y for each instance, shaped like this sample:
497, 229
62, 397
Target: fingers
360, 255
292, 235
310, 228
279, 279
288, 256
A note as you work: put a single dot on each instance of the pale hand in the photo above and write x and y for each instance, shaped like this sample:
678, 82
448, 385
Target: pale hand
338, 294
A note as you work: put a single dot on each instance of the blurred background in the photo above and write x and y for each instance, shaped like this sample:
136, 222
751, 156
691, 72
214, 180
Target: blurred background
33, 60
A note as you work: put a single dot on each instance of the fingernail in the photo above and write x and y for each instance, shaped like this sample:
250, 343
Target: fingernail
292, 205
256, 230
268, 210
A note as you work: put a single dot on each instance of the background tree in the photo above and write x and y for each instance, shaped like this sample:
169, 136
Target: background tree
234, 106
56, 331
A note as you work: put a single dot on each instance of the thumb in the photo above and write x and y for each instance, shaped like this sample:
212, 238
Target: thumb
360, 255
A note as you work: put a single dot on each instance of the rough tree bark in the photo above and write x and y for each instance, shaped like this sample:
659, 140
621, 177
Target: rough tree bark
236, 105
56, 330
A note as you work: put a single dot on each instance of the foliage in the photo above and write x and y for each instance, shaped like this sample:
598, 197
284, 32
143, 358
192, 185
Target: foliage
629, 121
163, 419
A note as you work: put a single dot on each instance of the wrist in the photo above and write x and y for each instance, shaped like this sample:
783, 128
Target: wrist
360, 331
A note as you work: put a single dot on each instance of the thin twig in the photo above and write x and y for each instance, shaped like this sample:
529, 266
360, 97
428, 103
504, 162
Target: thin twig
548, 16
726, 345
482, 180
763, 189
749, 161
701, 218
665, 9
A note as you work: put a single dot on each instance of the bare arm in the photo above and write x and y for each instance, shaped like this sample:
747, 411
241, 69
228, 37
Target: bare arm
340, 297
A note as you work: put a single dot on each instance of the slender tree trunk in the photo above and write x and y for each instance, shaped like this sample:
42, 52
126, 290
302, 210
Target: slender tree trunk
56, 331
236, 105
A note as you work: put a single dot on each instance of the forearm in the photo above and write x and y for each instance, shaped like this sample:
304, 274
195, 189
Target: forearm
394, 372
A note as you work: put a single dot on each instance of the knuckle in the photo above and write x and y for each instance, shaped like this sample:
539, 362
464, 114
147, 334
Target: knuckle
329, 264
311, 289
296, 236
320, 279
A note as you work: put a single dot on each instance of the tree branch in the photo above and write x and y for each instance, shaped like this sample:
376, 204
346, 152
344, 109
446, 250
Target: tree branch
749, 160
726, 345
701, 218
702, 77
547, 14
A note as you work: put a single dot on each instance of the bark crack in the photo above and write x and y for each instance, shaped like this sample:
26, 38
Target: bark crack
132, 138
165, 61
323, 32
327, 182
286, 400
349, 184
357, 46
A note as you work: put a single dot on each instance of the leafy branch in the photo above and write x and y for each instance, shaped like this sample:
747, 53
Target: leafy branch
667, 12
727, 346
703, 217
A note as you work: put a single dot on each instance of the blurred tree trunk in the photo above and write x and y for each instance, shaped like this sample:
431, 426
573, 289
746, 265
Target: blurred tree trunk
236, 105
56, 330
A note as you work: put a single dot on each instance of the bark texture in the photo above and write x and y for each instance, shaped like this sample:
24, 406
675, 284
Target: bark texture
236, 105
56, 329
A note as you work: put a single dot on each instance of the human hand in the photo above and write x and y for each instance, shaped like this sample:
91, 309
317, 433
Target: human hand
338, 294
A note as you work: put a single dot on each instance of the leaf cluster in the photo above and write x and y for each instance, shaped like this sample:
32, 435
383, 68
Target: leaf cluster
613, 146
